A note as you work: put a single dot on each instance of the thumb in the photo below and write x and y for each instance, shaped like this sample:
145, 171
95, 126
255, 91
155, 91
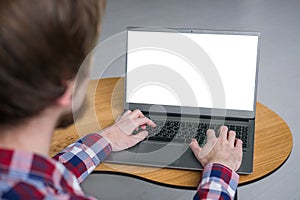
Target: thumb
195, 147
141, 135
134, 139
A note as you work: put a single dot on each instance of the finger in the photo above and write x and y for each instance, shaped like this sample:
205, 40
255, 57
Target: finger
118, 118
195, 148
239, 144
144, 121
223, 132
239, 148
136, 114
211, 135
126, 113
231, 138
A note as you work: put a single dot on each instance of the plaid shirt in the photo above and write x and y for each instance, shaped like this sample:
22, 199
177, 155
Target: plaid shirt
218, 182
24, 175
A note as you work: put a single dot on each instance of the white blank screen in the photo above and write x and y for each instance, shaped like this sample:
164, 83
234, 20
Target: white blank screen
234, 57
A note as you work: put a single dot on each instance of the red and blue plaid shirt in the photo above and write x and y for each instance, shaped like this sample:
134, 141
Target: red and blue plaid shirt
24, 175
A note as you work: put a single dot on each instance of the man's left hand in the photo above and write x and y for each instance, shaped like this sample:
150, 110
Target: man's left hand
120, 134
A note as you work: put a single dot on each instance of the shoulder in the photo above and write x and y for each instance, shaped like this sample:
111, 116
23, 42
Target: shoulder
27, 190
20, 190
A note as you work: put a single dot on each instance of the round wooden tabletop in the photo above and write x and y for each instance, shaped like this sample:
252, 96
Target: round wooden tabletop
273, 139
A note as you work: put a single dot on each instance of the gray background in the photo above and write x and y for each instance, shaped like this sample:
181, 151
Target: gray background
278, 88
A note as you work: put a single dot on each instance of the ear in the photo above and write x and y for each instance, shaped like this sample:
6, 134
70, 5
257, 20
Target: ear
65, 100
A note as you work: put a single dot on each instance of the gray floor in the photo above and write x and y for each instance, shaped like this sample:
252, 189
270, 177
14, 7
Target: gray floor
279, 77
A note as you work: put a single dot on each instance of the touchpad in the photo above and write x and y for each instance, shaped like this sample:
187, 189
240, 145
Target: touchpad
159, 153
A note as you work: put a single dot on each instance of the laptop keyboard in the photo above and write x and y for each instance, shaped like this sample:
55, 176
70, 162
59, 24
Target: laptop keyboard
184, 132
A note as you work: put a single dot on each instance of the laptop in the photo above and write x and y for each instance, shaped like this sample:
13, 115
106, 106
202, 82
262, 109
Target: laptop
187, 81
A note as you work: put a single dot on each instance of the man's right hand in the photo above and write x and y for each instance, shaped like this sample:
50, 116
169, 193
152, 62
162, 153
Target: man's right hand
225, 150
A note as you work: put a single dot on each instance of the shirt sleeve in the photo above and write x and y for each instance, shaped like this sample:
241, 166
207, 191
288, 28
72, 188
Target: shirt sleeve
83, 156
218, 182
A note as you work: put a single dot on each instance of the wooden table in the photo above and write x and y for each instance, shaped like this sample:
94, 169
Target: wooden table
273, 139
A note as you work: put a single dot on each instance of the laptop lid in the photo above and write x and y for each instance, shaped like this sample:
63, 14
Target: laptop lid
192, 72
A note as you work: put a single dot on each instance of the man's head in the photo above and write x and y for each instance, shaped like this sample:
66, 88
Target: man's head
42, 45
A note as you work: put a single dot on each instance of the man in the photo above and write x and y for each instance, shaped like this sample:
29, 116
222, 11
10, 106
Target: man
42, 45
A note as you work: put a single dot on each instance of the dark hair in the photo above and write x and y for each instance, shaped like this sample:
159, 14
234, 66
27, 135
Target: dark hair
42, 45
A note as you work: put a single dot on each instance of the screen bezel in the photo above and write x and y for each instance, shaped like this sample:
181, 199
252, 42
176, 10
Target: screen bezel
195, 111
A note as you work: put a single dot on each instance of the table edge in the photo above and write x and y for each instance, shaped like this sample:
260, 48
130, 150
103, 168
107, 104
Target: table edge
178, 186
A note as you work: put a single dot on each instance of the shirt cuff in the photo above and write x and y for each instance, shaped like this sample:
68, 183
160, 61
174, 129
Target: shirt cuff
98, 144
219, 177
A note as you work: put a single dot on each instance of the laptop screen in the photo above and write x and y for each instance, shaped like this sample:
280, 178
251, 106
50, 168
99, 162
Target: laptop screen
192, 69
